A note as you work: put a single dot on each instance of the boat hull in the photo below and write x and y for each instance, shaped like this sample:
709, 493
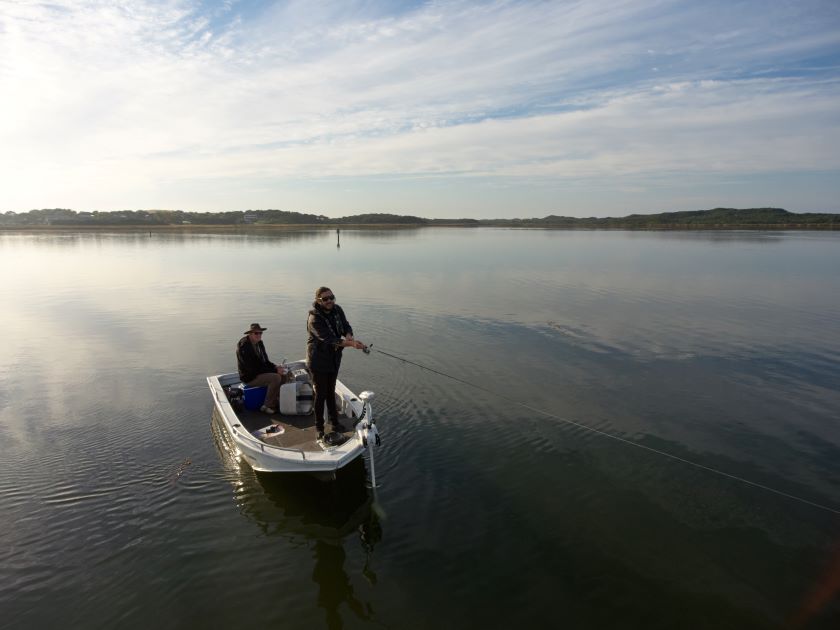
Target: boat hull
321, 461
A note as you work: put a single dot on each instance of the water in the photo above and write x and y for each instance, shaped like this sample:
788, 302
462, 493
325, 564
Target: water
122, 508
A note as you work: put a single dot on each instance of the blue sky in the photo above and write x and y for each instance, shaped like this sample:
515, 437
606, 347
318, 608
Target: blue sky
439, 109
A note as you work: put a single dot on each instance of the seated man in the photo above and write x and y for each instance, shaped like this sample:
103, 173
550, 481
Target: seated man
256, 370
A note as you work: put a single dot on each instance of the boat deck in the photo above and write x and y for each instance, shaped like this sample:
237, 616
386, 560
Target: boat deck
299, 431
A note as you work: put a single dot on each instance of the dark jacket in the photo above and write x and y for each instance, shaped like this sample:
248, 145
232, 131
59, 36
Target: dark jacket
252, 360
323, 346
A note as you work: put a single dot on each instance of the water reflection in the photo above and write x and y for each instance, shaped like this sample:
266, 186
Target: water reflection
327, 515
710, 236
334, 586
157, 238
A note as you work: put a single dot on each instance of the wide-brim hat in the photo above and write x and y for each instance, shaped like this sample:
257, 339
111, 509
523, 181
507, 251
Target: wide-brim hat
254, 328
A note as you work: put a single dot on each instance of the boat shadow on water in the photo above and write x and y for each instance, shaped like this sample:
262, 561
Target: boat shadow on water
325, 515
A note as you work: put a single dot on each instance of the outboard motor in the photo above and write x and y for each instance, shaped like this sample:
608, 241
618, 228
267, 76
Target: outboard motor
367, 432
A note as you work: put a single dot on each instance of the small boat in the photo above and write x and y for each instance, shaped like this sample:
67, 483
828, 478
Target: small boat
288, 442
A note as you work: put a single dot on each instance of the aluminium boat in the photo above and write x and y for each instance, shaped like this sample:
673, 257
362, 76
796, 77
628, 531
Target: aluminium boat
287, 441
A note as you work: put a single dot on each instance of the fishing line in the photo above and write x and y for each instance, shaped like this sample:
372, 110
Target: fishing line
612, 436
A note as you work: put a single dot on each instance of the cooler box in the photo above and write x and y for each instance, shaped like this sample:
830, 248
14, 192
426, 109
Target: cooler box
254, 397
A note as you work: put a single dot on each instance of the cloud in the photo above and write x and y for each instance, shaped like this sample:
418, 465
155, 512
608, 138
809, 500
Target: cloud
133, 97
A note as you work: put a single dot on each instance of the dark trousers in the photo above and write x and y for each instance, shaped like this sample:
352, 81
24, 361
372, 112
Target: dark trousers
324, 384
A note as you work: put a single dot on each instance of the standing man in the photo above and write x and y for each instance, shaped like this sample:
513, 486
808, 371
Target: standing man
329, 333
256, 370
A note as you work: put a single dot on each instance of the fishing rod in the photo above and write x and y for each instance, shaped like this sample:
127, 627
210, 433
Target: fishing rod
580, 425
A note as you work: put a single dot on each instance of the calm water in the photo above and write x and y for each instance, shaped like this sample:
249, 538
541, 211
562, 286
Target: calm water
122, 509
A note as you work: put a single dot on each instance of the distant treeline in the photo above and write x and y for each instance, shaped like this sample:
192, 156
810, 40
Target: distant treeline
65, 217
715, 218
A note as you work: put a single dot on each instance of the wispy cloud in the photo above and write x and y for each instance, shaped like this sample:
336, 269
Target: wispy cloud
115, 104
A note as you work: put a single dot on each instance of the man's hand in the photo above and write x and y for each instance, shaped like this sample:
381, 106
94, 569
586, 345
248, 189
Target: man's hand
349, 342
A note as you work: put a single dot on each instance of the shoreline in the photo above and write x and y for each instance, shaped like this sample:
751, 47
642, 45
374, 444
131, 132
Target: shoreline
210, 227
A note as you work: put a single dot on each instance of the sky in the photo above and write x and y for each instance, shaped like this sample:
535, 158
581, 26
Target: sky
439, 109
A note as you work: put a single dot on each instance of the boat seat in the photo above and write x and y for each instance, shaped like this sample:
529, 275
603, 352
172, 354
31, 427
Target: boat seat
296, 399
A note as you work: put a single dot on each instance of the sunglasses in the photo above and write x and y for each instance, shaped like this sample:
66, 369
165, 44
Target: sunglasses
327, 298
